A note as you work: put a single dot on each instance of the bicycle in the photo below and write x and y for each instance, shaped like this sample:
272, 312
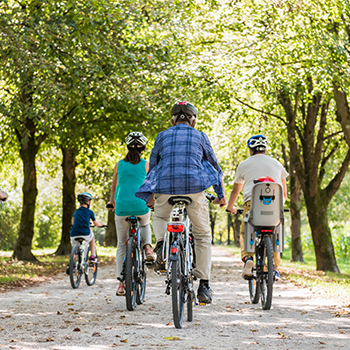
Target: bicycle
80, 264
134, 267
260, 225
179, 259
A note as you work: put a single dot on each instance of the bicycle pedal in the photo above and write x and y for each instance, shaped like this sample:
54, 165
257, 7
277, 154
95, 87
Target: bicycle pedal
202, 304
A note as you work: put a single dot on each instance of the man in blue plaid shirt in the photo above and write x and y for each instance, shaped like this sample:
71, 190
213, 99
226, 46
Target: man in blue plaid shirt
183, 163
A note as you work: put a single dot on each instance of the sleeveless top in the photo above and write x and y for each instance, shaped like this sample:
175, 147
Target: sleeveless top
130, 178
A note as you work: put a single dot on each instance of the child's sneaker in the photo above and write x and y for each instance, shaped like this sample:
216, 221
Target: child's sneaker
94, 259
277, 275
67, 270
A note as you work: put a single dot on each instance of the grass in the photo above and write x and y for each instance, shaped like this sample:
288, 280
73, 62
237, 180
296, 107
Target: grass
22, 273
305, 274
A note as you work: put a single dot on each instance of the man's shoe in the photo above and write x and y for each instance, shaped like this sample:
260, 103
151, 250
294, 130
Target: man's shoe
159, 264
67, 270
248, 268
204, 294
276, 275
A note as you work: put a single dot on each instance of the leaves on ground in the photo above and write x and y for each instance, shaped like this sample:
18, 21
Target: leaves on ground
172, 338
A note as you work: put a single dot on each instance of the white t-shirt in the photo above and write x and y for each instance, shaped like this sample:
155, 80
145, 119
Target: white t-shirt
258, 165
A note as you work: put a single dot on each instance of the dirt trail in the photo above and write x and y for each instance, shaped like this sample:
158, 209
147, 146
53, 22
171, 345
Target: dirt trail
45, 317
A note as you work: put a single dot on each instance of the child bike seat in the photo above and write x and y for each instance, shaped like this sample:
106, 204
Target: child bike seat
266, 207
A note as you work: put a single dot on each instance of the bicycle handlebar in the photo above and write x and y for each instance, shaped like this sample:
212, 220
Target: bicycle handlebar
102, 226
240, 211
210, 197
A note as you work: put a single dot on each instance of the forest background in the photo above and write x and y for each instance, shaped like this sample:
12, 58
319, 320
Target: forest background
77, 76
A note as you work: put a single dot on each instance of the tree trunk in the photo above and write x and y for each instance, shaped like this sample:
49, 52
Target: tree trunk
295, 202
212, 216
236, 229
111, 232
23, 248
68, 201
229, 225
321, 234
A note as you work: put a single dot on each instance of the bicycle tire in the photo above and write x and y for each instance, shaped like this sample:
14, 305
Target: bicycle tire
141, 283
254, 284
266, 283
90, 270
75, 271
190, 300
130, 269
177, 286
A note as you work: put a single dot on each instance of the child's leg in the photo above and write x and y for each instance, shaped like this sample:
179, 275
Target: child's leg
92, 245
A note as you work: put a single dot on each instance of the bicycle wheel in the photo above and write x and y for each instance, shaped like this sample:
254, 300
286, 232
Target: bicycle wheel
266, 282
254, 284
91, 269
75, 271
190, 299
130, 271
177, 289
141, 282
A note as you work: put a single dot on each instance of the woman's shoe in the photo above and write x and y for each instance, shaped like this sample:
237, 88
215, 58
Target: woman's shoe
120, 291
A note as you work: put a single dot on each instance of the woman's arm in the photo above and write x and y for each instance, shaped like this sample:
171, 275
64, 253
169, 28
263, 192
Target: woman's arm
114, 185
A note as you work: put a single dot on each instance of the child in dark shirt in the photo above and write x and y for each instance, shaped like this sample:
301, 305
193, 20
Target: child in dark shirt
81, 223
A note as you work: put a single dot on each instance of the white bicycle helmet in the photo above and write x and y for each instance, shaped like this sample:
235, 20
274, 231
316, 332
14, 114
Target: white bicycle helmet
257, 143
136, 138
85, 197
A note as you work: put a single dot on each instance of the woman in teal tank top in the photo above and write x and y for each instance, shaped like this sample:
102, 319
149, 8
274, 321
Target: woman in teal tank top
129, 174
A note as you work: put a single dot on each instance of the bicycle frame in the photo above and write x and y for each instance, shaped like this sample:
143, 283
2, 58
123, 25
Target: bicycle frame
83, 247
171, 240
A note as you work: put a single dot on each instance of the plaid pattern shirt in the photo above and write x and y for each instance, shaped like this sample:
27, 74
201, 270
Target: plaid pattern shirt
182, 162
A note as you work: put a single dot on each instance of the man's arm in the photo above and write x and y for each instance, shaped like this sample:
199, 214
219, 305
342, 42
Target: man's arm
284, 186
154, 158
222, 202
209, 155
237, 188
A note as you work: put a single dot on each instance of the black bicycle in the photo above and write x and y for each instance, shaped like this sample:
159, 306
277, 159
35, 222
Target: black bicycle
80, 264
134, 267
261, 281
179, 258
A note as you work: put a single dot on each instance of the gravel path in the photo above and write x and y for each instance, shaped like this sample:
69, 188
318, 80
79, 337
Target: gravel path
53, 316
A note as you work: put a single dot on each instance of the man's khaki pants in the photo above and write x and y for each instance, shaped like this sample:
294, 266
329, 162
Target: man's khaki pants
198, 213
244, 254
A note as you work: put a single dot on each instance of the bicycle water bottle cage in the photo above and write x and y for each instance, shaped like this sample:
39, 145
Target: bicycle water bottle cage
267, 200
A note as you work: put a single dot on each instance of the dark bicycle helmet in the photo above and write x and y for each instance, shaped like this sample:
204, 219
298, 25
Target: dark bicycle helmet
257, 143
136, 138
184, 111
85, 197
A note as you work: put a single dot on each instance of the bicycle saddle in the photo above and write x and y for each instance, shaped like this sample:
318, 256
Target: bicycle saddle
179, 199
133, 218
80, 240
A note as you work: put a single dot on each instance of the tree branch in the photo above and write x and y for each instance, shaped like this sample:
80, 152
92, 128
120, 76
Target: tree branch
261, 111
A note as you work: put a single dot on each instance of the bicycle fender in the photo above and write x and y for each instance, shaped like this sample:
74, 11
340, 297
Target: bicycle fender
173, 257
